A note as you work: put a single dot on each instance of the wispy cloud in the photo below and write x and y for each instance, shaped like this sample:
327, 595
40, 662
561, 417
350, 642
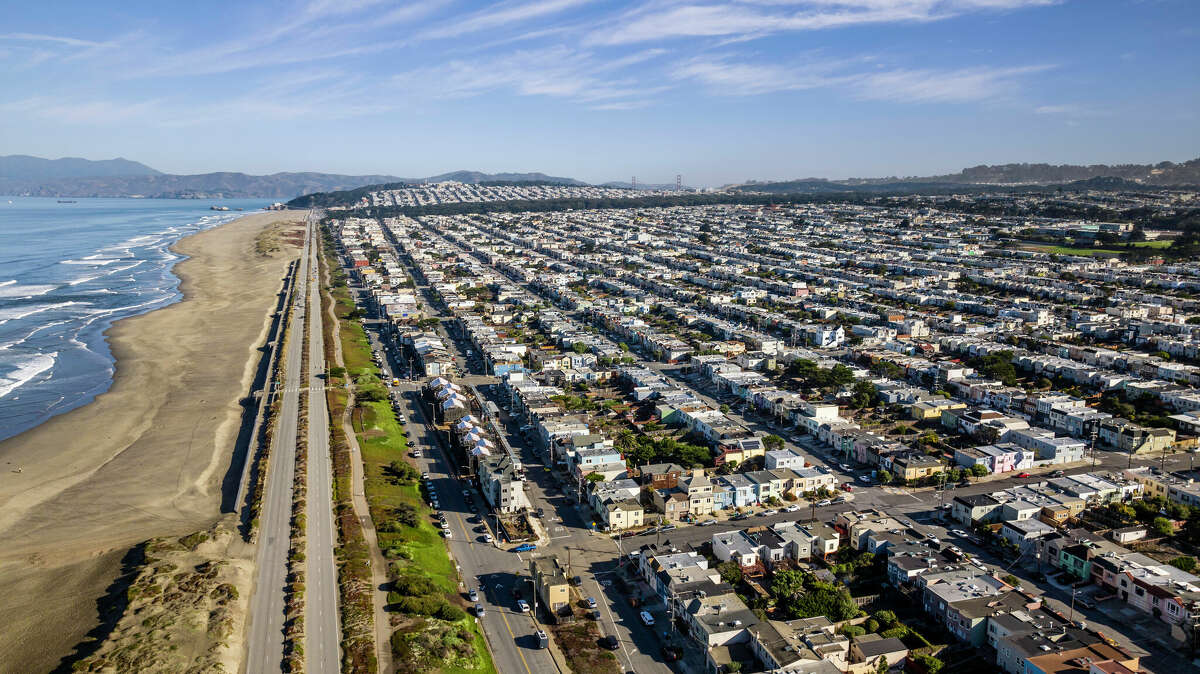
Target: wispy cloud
752, 18
723, 76
57, 39
499, 14
557, 72
964, 85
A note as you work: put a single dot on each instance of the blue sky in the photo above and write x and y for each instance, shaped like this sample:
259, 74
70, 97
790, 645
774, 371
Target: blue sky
717, 90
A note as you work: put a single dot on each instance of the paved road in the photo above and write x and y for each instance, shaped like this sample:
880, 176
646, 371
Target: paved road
321, 624
265, 640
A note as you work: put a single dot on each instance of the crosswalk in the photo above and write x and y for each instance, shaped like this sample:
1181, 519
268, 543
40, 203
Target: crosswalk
300, 389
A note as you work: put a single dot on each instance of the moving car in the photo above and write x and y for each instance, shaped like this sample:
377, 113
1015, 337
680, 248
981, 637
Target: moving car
647, 619
525, 547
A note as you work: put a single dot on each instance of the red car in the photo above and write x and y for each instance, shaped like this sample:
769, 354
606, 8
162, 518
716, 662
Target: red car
847, 487
1024, 475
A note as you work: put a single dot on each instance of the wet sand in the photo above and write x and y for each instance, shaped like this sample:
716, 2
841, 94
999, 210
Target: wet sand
145, 459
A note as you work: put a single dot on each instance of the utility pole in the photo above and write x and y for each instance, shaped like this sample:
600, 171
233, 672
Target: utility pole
1093, 450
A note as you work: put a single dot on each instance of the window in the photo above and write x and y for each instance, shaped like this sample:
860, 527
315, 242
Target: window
1139, 591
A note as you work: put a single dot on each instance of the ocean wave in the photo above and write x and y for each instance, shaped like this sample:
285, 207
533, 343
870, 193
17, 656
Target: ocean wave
25, 371
8, 290
97, 263
17, 313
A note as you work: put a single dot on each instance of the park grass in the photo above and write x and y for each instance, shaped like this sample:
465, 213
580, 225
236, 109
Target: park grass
1095, 252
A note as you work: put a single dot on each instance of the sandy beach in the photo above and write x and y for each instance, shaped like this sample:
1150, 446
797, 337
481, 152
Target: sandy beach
144, 459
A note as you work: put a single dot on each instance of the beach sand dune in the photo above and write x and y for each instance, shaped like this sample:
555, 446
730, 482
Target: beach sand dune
145, 459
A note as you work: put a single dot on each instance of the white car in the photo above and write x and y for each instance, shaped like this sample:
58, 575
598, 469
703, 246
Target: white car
647, 619
824, 502
793, 508
487, 538
771, 511
523, 605
473, 595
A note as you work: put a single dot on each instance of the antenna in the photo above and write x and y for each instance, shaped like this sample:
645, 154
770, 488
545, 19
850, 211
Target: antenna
678, 181
634, 182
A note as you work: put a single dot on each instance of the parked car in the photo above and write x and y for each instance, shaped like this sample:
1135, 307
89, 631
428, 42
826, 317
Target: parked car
591, 602
487, 538
824, 502
1058, 473
473, 595
523, 606
792, 508
610, 642
525, 547
542, 639
669, 527
769, 511
1024, 475
706, 523
647, 619
846, 486
479, 610
738, 517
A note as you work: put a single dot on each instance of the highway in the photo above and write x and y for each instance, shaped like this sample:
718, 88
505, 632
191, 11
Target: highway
266, 618
321, 623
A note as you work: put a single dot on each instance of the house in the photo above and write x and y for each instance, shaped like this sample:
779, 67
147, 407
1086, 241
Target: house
783, 458
874, 651
660, 475
719, 620
550, 582
736, 546
672, 503
975, 508
699, 490
1083, 660
626, 514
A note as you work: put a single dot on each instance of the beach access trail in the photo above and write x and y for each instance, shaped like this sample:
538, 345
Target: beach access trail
148, 457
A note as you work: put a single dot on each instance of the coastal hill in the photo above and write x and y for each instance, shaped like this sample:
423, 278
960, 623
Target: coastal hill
22, 175
25, 167
1095, 176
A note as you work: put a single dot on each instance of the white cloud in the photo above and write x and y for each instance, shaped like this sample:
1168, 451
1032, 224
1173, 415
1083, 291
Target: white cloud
763, 17
58, 39
724, 77
500, 14
941, 86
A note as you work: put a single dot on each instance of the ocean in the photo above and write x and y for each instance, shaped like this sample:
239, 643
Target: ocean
67, 271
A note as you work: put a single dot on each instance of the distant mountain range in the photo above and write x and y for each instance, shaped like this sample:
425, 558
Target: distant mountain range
25, 167
73, 177
1096, 176
70, 177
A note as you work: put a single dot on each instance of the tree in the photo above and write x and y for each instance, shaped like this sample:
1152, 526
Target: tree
886, 618
595, 477
730, 572
885, 477
724, 408
929, 663
1184, 563
1011, 580
1162, 526
864, 395
882, 667
772, 442
579, 347
979, 470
